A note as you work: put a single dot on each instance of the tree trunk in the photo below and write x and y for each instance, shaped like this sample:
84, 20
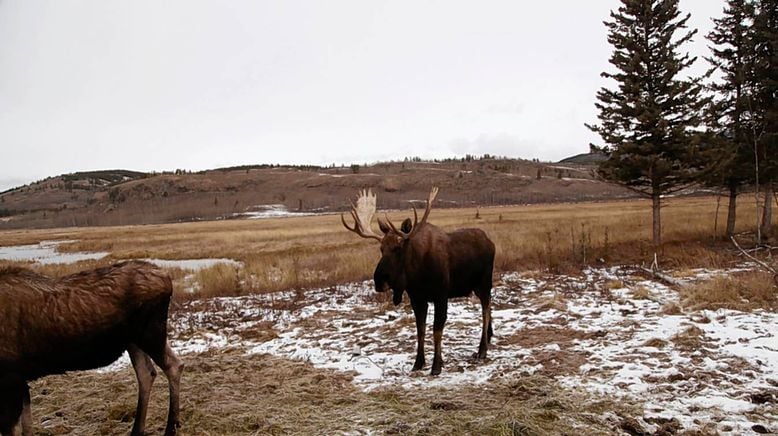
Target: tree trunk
756, 189
732, 214
767, 215
716, 215
656, 202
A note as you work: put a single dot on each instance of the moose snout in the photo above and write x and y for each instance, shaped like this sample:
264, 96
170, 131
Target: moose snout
381, 283
381, 279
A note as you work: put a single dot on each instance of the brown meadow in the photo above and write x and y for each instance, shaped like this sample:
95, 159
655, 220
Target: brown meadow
226, 391
315, 251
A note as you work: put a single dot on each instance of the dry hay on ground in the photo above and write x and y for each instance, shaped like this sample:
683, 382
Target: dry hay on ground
597, 361
228, 392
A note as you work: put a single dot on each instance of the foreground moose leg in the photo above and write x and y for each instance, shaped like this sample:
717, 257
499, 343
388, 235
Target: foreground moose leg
441, 313
491, 332
172, 367
486, 329
26, 411
11, 431
12, 404
145, 373
420, 310
173, 370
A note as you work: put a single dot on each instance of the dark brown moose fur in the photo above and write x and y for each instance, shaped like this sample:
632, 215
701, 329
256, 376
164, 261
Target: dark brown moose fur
431, 266
11, 400
84, 321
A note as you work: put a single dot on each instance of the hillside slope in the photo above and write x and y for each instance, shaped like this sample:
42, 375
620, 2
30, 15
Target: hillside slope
123, 197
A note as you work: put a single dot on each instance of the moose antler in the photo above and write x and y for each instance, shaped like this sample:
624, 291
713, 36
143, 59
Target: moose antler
416, 223
362, 213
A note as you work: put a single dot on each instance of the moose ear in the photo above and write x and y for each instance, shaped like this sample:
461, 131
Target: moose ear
383, 226
406, 226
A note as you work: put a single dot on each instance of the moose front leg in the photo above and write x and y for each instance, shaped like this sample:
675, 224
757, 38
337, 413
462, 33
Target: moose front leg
420, 311
441, 313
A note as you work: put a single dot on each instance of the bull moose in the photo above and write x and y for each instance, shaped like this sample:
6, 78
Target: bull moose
84, 321
432, 266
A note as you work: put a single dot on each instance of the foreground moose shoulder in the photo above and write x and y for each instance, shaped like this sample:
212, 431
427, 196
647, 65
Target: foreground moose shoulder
84, 321
431, 266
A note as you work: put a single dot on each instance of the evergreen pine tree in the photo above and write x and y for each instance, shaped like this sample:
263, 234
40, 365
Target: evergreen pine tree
733, 55
766, 102
648, 121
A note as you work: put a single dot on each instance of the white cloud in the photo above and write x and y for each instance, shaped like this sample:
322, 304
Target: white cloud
197, 84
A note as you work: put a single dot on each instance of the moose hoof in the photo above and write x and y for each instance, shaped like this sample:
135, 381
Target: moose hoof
172, 430
481, 353
418, 365
436, 367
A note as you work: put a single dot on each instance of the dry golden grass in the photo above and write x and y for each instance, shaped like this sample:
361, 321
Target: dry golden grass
641, 293
555, 302
315, 251
672, 308
742, 291
218, 280
230, 393
690, 339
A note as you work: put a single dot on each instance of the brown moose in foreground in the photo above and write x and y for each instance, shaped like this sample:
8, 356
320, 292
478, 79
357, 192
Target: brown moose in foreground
84, 321
431, 266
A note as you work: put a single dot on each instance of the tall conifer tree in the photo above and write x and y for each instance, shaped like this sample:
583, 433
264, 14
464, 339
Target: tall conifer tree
766, 101
648, 121
733, 58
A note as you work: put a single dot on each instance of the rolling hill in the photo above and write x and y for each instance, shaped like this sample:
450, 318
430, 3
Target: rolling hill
119, 197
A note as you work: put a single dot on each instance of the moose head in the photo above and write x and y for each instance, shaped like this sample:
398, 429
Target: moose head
390, 273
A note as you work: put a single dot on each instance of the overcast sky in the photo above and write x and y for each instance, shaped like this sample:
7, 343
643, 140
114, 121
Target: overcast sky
151, 85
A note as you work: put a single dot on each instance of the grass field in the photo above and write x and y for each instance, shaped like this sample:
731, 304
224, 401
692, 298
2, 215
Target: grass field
264, 395
548, 318
315, 251
599, 359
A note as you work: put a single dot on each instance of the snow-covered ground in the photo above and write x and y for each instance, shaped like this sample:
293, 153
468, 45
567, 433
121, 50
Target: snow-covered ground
269, 211
46, 252
193, 264
606, 332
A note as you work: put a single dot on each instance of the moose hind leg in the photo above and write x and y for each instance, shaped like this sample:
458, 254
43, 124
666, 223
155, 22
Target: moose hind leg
26, 411
172, 367
12, 399
420, 312
486, 327
441, 313
145, 373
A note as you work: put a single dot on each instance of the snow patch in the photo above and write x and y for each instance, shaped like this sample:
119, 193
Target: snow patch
265, 211
193, 264
46, 252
